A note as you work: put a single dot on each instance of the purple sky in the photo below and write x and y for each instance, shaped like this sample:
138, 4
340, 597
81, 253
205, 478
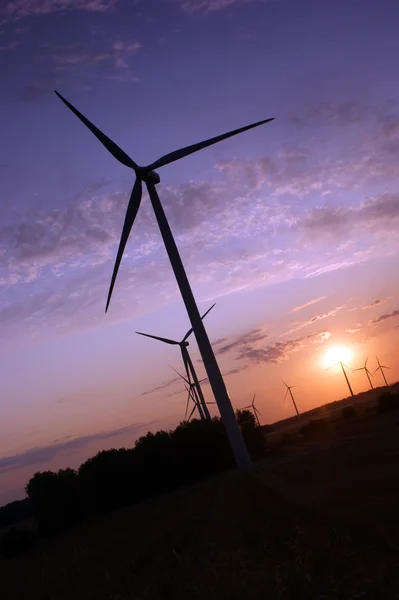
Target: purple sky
302, 213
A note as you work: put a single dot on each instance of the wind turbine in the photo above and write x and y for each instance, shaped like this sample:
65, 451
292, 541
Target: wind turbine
368, 373
196, 406
188, 365
255, 410
151, 178
289, 388
344, 372
193, 393
381, 368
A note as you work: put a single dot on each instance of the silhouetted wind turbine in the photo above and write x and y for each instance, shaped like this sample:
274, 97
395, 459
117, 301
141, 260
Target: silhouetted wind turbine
381, 368
193, 392
151, 178
365, 369
196, 406
255, 410
188, 365
344, 372
289, 388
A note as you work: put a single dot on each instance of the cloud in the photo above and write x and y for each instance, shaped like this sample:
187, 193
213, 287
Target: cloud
249, 347
372, 214
10, 46
310, 303
382, 318
207, 6
162, 386
248, 339
376, 303
27, 8
44, 454
315, 319
111, 61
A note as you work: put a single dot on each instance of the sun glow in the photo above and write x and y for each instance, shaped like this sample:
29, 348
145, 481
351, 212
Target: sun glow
337, 354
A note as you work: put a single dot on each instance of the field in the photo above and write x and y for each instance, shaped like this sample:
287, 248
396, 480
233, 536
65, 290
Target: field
315, 520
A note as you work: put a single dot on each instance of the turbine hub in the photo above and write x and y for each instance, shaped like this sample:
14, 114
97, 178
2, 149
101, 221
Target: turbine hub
185, 344
145, 175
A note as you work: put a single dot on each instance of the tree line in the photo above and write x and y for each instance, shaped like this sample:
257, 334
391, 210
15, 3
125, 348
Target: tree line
157, 463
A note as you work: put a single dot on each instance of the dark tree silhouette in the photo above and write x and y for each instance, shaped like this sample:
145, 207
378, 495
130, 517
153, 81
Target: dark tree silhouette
158, 462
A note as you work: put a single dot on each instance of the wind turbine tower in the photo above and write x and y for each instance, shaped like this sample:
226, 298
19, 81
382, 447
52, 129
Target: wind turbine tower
365, 369
345, 375
254, 409
150, 178
193, 394
381, 368
289, 388
188, 364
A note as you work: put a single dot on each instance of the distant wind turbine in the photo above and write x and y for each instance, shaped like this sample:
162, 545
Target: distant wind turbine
381, 368
193, 393
254, 409
289, 388
196, 406
151, 179
344, 372
188, 364
368, 373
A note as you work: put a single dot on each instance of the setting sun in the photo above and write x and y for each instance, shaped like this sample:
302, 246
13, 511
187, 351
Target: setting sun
337, 354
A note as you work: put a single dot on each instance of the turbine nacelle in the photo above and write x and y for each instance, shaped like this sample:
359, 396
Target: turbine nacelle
147, 176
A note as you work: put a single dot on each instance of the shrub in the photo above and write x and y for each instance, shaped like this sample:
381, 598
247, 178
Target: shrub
387, 402
348, 412
17, 541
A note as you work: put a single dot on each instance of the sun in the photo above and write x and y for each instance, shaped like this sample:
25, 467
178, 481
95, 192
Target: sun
337, 354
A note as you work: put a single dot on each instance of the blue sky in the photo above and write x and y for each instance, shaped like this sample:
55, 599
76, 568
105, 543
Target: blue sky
302, 212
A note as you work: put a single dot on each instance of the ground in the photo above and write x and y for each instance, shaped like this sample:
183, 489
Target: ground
316, 519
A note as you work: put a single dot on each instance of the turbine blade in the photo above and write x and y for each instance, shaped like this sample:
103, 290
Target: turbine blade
189, 332
185, 362
249, 406
257, 411
377, 369
188, 402
331, 366
385, 367
160, 339
131, 212
365, 364
286, 392
191, 413
116, 152
177, 154
180, 375
360, 369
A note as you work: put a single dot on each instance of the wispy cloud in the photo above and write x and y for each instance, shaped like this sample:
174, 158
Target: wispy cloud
384, 317
249, 348
315, 319
162, 386
45, 454
376, 303
310, 303
26, 8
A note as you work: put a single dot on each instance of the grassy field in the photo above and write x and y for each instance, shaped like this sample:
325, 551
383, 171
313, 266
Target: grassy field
317, 521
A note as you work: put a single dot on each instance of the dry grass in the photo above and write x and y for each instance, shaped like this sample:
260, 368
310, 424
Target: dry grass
318, 526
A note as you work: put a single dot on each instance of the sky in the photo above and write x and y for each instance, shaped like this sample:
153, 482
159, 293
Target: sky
291, 228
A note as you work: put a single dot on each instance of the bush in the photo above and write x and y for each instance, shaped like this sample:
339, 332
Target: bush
348, 412
313, 428
387, 402
17, 541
